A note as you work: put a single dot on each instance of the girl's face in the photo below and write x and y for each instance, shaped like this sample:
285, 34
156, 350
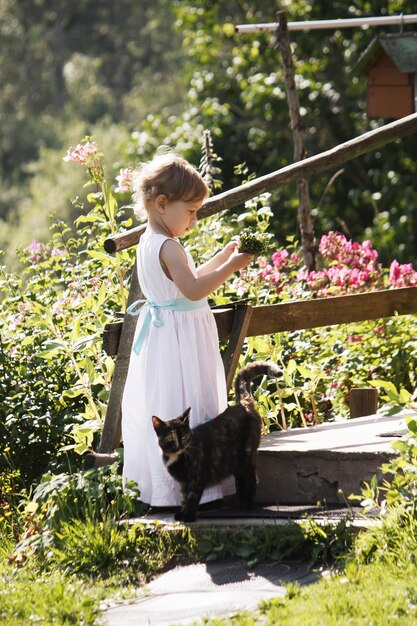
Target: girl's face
179, 216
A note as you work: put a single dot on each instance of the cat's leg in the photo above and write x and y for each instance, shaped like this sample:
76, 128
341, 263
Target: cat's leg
247, 484
191, 497
240, 485
251, 486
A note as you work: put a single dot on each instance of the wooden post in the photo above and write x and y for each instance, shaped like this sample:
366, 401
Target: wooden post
111, 434
241, 318
363, 401
305, 220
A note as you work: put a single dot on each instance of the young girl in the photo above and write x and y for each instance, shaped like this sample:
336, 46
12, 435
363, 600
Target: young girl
175, 361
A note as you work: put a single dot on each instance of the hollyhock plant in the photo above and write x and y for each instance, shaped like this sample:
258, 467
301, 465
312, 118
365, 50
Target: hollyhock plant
105, 205
86, 153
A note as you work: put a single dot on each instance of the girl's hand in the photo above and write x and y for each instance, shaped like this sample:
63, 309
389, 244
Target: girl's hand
229, 249
239, 260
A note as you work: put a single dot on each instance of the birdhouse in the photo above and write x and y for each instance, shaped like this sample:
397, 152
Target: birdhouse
390, 65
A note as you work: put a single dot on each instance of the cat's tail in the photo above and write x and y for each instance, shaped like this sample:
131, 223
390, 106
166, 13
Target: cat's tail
248, 373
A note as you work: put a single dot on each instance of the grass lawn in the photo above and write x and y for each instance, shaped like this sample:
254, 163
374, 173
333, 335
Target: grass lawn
376, 583
373, 594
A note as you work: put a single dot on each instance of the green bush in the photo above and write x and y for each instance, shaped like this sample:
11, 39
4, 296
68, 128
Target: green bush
54, 375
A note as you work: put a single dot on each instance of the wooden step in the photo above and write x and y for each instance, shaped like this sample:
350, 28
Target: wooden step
326, 463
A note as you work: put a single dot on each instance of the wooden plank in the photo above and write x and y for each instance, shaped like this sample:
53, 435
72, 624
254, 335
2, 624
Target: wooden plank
328, 160
305, 314
241, 319
111, 434
124, 240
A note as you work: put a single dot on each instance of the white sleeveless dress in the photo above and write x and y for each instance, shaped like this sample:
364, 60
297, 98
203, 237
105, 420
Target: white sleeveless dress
179, 365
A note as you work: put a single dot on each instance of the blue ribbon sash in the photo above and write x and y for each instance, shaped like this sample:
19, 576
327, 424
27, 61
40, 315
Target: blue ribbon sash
153, 318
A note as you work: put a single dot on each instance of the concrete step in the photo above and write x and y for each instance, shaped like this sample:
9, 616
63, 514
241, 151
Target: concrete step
326, 463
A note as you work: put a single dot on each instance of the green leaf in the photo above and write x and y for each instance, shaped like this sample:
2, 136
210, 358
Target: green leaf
305, 372
81, 448
102, 294
399, 445
75, 392
385, 384
111, 206
411, 424
291, 367
205, 546
89, 219
405, 396
84, 342
75, 333
48, 355
290, 406
261, 345
245, 551
89, 368
27, 340
101, 256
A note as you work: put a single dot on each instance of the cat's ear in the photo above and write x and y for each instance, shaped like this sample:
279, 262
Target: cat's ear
158, 424
185, 417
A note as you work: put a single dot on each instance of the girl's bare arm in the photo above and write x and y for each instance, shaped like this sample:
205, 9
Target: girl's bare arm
174, 261
218, 259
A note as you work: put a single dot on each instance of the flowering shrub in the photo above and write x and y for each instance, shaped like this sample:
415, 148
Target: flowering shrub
347, 267
54, 376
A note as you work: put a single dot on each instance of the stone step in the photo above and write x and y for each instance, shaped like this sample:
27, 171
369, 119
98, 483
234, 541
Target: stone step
328, 462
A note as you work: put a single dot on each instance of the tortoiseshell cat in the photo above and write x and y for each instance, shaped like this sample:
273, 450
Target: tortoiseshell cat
224, 446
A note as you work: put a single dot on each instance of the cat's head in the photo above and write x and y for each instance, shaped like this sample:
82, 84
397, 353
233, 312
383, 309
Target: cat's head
173, 436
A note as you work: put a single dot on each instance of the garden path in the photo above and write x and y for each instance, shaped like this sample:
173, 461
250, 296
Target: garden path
186, 594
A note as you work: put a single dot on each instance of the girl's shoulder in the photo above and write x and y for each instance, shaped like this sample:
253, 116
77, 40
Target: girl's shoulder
160, 243
158, 237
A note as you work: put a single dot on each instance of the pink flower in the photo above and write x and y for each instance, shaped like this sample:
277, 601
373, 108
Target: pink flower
36, 250
276, 277
334, 247
402, 275
76, 298
16, 321
267, 270
240, 287
58, 252
354, 338
262, 261
59, 306
280, 257
84, 153
124, 180
24, 307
